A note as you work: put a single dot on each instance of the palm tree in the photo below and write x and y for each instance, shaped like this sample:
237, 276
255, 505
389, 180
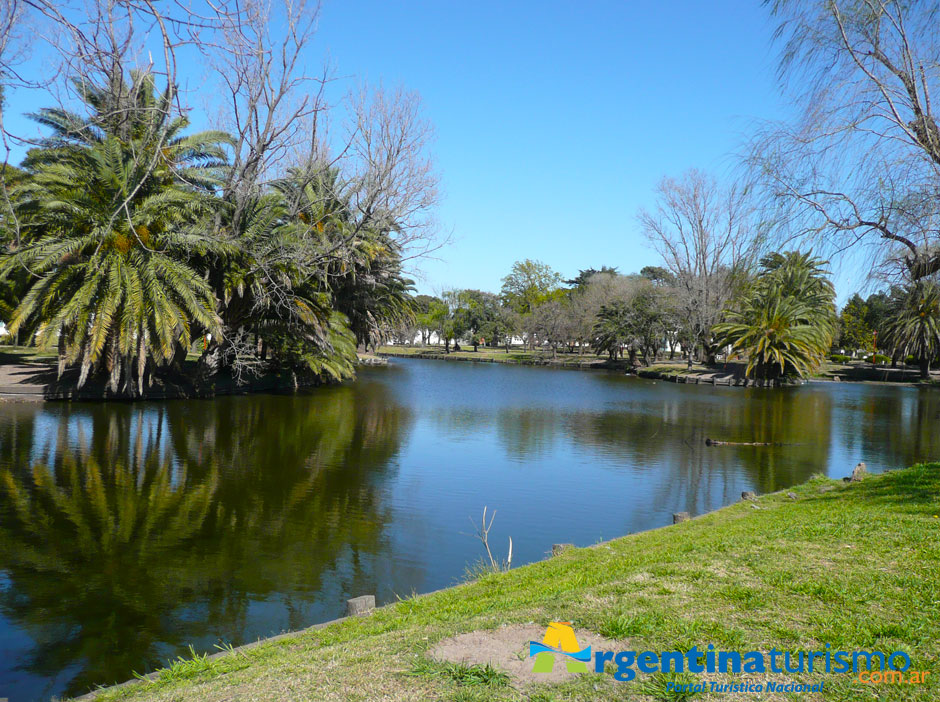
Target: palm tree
784, 323
915, 323
110, 209
777, 334
273, 283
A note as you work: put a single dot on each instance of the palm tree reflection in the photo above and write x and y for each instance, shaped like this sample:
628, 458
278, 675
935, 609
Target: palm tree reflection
140, 529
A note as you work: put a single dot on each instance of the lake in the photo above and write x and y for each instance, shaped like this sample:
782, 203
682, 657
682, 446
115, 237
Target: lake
129, 532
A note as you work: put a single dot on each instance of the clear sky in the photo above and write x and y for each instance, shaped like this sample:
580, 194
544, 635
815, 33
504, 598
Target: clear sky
555, 120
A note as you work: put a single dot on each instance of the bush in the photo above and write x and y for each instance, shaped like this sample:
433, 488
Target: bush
840, 358
878, 359
910, 360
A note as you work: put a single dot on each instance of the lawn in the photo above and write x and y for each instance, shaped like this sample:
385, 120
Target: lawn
854, 565
490, 354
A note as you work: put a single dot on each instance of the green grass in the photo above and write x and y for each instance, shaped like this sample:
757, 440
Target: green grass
856, 566
460, 673
499, 355
10, 354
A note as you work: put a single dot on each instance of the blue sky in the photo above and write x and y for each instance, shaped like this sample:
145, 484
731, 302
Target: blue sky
554, 120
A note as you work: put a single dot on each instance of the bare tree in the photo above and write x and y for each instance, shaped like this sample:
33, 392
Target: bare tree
97, 43
706, 234
551, 324
861, 164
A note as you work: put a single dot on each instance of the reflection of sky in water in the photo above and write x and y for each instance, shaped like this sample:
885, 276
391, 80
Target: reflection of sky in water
371, 487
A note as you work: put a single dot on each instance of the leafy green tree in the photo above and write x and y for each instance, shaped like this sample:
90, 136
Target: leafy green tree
651, 316
439, 317
856, 333
658, 275
480, 316
878, 314
785, 321
637, 323
529, 284
503, 327
109, 215
915, 324
425, 306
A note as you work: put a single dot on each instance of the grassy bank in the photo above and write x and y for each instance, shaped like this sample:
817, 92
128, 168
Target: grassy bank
853, 565
516, 356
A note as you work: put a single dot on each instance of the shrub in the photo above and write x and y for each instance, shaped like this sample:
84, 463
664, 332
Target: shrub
840, 358
878, 359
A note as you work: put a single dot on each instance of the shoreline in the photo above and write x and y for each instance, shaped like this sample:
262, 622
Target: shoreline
286, 635
806, 522
37, 381
674, 373
593, 364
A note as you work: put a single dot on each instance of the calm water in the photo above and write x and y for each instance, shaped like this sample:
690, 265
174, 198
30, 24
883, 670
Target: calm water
130, 531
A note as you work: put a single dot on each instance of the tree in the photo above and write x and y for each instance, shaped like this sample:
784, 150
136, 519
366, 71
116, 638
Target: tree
784, 323
504, 327
581, 280
658, 275
529, 284
289, 247
915, 324
437, 319
550, 323
113, 285
862, 161
708, 236
423, 322
650, 320
635, 320
856, 333
878, 314
613, 329
481, 316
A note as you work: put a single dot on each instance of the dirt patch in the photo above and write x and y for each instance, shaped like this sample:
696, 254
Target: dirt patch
507, 649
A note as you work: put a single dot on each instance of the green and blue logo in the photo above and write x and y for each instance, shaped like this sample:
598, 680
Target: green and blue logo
559, 639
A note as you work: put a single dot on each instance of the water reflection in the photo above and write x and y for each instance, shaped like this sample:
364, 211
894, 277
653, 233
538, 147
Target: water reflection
128, 532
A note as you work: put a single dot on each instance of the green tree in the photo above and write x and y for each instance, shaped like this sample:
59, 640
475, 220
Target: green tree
856, 333
878, 314
637, 322
784, 323
110, 212
479, 314
529, 284
915, 324
424, 306
658, 275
